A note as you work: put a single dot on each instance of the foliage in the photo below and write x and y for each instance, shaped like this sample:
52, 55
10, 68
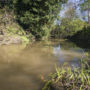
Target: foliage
77, 79
83, 36
85, 6
10, 28
7, 17
15, 30
37, 15
70, 13
68, 27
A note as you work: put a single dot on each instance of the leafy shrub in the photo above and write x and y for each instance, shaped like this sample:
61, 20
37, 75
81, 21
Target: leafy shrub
83, 36
68, 79
68, 28
37, 15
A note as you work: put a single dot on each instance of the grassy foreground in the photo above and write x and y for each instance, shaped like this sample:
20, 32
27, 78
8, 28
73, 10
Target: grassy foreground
68, 79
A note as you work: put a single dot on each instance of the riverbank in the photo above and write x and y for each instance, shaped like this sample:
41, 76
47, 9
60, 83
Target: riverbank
14, 34
82, 38
14, 39
67, 78
11, 32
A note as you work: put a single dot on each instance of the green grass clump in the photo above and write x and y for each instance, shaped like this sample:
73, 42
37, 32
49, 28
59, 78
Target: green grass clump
76, 79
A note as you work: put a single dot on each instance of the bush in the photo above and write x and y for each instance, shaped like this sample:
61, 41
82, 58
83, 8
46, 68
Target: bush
37, 15
83, 36
68, 79
68, 28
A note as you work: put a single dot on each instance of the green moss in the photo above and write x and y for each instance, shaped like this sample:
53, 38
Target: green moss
24, 39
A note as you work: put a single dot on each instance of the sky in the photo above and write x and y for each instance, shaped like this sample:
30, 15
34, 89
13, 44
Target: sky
76, 2
66, 6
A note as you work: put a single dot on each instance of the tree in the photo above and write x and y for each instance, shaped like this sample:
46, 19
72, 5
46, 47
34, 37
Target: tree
37, 15
69, 28
70, 13
85, 6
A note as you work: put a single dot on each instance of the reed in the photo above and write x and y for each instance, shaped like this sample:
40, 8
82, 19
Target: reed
68, 79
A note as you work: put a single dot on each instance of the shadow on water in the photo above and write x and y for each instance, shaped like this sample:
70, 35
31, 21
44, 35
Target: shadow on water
68, 52
81, 43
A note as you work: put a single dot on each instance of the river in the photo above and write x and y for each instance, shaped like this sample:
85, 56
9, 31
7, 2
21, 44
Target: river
24, 67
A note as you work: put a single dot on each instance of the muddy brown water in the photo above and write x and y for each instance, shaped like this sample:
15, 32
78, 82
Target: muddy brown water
24, 67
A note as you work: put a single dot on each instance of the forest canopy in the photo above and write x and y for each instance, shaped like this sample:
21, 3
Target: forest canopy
37, 15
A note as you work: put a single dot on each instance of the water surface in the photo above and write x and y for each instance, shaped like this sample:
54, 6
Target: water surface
24, 67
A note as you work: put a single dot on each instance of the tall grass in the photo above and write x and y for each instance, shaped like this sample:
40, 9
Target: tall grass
68, 79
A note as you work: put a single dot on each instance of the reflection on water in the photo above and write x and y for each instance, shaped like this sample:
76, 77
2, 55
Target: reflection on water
23, 67
71, 56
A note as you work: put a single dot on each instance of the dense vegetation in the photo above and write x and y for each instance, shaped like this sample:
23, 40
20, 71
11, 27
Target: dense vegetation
66, 78
68, 28
83, 36
38, 16
10, 30
85, 6
72, 27
37, 19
